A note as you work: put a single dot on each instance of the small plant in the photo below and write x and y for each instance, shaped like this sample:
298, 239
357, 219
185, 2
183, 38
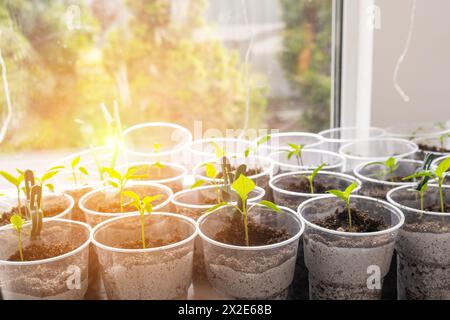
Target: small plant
296, 150
143, 206
345, 196
119, 181
243, 186
390, 165
427, 174
17, 223
16, 181
75, 167
313, 175
262, 140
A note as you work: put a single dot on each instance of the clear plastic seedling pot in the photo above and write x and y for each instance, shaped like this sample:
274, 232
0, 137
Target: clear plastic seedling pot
157, 141
413, 130
285, 186
423, 244
157, 272
251, 272
361, 151
204, 149
377, 181
166, 173
310, 160
280, 141
193, 203
347, 265
103, 204
258, 169
438, 145
63, 277
334, 139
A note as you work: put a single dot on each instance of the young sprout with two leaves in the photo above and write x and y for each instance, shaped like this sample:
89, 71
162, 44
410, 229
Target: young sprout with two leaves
296, 150
427, 174
262, 140
17, 222
390, 165
76, 167
313, 175
345, 196
119, 181
142, 205
243, 186
16, 181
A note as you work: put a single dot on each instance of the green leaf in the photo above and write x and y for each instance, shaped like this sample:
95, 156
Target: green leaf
290, 154
20, 172
316, 171
217, 206
270, 205
294, 147
10, 178
243, 186
211, 171
150, 199
156, 147
131, 195
220, 152
420, 174
113, 184
17, 222
197, 184
148, 208
50, 187
83, 171
263, 139
247, 152
48, 175
350, 189
75, 162
442, 168
112, 173
158, 165
391, 162
338, 193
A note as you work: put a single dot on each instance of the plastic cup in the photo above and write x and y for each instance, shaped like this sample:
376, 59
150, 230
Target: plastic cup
369, 150
432, 145
423, 245
63, 277
253, 272
94, 217
175, 181
292, 199
162, 273
253, 162
280, 141
376, 183
347, 265
334, 139
204, 149
412, 130
312, 158
173, 141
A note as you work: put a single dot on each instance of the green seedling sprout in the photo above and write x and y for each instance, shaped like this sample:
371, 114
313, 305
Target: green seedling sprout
17, 223
16, 181
345, 196
313, 175
157, 164
243, 186
296, 150
119, 181
262, 140
428, 174
143, 206
390, 165
75, 167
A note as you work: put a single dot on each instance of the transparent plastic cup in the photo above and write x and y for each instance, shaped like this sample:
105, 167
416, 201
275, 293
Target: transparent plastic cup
280, 141
312, 158
264, 165
174, 180
173, 140
204, 149
283, 196
377, 182
347, 265
162, 273
423, 245
63, 277
435, 145
334, 139
369, 150
254, 272
193, 203
91, 201
412, 130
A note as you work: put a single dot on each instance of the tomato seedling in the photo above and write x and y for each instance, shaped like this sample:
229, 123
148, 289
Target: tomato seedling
345, 196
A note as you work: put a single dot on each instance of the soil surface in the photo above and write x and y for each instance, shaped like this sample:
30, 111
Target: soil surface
425, 147
361, 222
259, 234
150, 243
37, 251
301, 185
429, 226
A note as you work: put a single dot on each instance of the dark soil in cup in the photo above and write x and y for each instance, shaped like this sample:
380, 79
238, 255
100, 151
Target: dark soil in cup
154, 172
427, 148
361, 222
301, 184
51, 207
151, 242
259, 234
39, 251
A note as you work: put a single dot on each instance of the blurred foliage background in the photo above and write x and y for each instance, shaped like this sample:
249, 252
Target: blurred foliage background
60, 69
